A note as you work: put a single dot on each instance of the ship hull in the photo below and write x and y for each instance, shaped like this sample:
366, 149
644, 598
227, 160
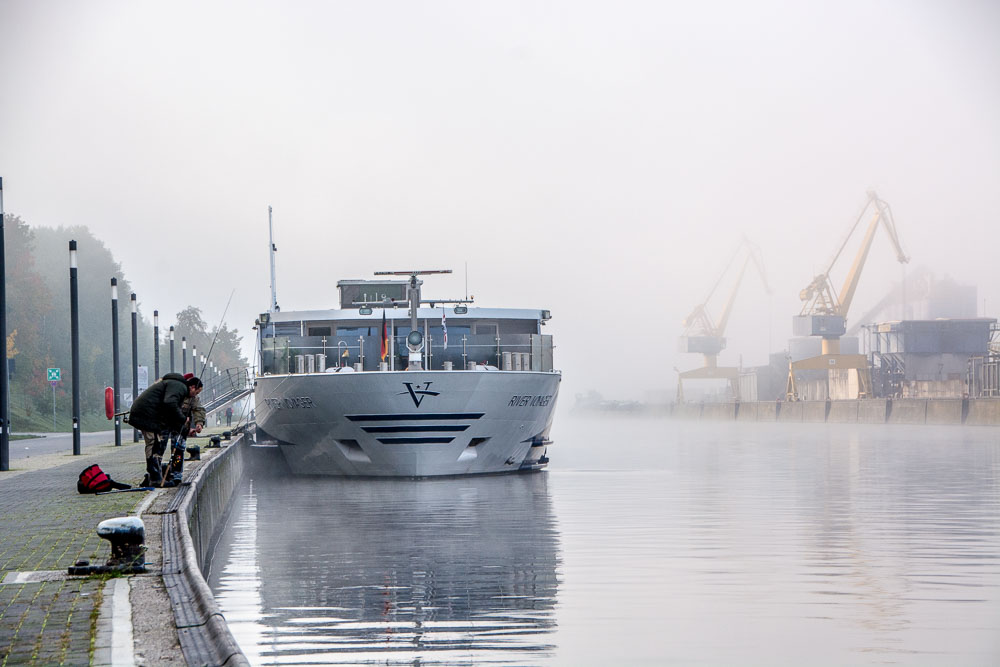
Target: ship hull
408, 423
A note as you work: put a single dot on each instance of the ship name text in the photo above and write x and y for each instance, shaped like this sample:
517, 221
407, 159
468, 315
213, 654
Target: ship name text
289, 402
529, 401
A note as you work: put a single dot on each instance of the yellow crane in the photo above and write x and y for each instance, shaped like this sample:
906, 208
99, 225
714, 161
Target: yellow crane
704, 336
824, 311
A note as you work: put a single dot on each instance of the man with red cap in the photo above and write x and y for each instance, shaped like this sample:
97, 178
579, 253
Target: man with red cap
192, 406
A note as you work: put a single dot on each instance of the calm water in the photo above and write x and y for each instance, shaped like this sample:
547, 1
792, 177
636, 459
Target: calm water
646, 542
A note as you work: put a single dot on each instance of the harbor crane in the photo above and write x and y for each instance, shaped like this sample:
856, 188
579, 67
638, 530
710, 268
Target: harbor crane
824, 311
702, 335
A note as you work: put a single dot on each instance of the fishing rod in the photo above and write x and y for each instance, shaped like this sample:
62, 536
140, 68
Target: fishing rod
109, 393
218, 330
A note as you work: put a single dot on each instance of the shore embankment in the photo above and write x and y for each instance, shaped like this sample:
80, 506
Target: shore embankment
973, 412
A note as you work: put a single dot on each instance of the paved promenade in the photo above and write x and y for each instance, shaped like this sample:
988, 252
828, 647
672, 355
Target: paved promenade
49, 618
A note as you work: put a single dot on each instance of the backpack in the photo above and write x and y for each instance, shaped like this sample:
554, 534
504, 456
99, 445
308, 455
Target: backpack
95, 480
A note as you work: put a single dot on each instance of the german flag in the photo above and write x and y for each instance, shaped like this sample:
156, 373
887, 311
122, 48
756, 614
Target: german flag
385, 338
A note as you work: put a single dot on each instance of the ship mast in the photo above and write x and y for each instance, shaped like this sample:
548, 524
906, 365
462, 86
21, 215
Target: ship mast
273, 307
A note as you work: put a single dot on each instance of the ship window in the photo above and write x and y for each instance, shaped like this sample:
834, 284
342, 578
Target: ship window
482, 329
354, 332
518, 327
477, 441
287, 329
319, 331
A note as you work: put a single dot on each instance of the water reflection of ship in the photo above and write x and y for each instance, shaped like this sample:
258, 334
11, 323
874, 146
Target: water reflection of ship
446, 570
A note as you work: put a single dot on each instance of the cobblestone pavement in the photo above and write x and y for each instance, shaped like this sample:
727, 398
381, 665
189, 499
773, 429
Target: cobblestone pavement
45, 525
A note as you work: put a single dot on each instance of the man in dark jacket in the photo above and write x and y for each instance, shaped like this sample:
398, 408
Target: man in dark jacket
158, 413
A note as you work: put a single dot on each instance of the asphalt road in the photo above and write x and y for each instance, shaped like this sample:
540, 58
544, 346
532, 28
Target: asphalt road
62, 443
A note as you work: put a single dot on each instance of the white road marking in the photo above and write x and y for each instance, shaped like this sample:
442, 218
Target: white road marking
121, 625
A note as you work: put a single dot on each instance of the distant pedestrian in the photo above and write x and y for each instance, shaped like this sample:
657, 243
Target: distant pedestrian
229, 416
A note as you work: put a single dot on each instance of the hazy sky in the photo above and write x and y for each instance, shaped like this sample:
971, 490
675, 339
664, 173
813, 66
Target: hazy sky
600, 159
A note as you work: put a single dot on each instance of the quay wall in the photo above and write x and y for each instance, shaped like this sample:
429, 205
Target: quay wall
213, 492
974, 412
982, 412
944, 411
873, 411
907, 411
191, 522
844, 412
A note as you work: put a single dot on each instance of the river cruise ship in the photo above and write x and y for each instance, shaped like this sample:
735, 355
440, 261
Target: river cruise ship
393, 384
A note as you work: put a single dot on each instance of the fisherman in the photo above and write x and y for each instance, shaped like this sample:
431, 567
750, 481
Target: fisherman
159, 413
196, 422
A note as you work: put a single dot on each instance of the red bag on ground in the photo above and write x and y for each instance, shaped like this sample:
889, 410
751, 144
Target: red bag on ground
95, 480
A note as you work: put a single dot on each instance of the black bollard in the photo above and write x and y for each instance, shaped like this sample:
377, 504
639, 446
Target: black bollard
128, 552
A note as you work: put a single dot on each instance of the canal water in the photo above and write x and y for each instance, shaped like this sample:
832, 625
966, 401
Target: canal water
646, 542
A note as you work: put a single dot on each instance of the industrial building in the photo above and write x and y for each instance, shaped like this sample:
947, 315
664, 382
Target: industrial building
941, 358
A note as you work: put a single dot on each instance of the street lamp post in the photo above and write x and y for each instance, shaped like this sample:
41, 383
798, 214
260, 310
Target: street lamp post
115, 360
184, 355
74, 318
4, 379
135, 358
171, 349
156, 343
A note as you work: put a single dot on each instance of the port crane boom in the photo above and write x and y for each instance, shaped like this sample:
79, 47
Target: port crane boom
819, 296
824, 311
705, 336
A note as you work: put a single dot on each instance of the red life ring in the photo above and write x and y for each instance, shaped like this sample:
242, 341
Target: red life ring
109, 402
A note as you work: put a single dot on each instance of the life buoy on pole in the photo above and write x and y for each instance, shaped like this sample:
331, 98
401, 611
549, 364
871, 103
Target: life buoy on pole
109, 402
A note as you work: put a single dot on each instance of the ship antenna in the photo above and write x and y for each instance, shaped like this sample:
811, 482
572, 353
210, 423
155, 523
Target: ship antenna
274, 296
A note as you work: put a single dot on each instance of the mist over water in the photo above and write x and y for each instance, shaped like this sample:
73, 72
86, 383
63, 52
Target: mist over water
646, 542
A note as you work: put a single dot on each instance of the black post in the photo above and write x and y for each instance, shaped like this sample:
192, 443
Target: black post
135, 360
194, 359
74, 316
184, 354
115, 360
4, 390
156, 344
171, 349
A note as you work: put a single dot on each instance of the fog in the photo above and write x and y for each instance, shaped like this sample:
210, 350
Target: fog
598, 159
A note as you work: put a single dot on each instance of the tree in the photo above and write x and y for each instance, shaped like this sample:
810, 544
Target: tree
29, 303
221, 342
